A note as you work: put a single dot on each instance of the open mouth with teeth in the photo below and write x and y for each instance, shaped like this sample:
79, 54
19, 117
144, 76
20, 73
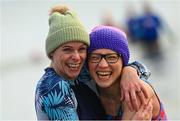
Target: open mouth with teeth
103, 73
74, 66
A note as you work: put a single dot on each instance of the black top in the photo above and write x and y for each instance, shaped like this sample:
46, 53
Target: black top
89, 105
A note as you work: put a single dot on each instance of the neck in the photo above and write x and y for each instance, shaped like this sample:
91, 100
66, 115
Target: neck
110, 98
112, 92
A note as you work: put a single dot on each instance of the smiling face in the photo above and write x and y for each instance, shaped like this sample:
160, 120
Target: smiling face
105, 74
68, 59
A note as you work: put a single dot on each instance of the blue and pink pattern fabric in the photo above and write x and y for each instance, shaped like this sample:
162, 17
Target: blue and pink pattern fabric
55, 100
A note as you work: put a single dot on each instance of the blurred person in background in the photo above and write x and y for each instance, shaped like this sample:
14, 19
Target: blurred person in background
133, 25
107, 18
60, 93
108, 53
146, 29
151, 25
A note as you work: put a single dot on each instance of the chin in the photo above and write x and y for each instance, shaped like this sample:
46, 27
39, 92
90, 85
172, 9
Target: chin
103, 85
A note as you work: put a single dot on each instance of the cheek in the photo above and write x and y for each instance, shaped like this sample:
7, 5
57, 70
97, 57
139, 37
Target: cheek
118, 71
58, 60
58, 64
118, 68
83, 56
91, 69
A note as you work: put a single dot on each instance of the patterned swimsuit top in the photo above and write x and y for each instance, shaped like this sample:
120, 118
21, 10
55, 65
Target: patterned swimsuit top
54, 98
162, 115
117, 117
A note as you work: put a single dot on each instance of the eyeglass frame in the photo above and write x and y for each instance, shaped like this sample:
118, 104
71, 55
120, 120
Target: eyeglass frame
104, 56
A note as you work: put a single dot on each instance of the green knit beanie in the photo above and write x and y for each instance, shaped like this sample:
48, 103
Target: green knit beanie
64, 26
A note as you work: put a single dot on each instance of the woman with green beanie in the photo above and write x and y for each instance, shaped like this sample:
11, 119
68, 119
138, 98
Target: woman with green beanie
60, 94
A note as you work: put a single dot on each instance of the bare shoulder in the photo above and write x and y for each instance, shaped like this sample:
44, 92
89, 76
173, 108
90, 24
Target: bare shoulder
149, 89
155, 99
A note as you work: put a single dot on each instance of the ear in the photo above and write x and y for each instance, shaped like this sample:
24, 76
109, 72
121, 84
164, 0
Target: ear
51, 55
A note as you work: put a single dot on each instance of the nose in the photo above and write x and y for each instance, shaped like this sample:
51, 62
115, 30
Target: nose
76, 56
103, 63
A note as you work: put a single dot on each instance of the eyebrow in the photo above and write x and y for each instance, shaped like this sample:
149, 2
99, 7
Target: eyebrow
66, 46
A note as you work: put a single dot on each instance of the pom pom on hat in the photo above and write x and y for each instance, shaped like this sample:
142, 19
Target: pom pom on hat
110, 38
64, 26
59, 8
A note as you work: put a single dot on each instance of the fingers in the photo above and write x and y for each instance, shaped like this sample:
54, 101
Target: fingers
134, 100
148, 111
149, 108
141, 96
122, 95
131, 98
145, 92
128, 101
139, 115
136, 96
141, 109
144, 112
142, 93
